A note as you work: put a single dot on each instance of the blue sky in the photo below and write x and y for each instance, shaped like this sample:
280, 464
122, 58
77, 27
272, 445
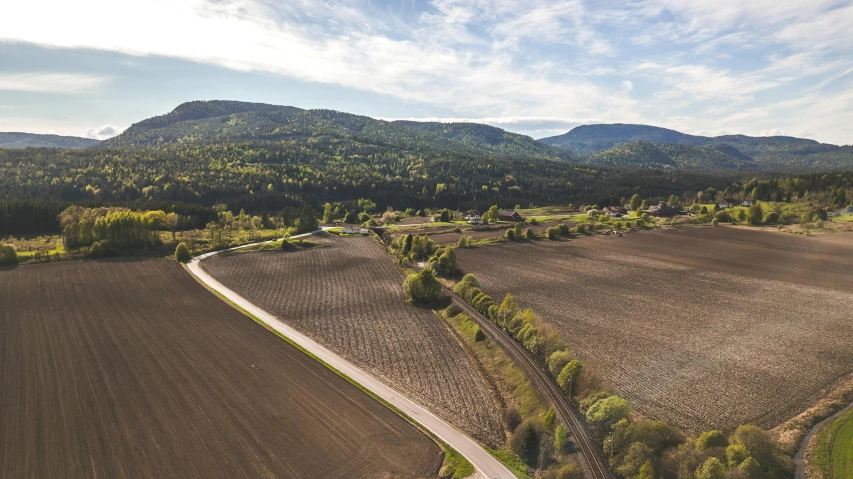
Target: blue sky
538, 67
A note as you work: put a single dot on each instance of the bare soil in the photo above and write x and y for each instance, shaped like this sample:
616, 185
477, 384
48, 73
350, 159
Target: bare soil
348, 296
132, 369
702, 327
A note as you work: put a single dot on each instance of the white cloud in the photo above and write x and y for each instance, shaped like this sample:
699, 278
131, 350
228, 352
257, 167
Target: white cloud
102, 133
50, 82
249, 36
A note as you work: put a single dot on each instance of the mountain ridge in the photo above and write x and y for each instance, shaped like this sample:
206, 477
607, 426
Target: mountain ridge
14, 139
206, 121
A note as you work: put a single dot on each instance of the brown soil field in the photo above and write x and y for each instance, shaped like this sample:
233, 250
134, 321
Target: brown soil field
133, 369
702, 327
348, 296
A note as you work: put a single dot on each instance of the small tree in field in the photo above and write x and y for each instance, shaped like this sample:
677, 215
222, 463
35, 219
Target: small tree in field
755, 215
529, 234
422, 287
551, 233
182, 253
8, 255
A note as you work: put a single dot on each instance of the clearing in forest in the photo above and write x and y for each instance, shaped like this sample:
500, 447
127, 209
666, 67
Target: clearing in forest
702, 327
133, 369
348, 296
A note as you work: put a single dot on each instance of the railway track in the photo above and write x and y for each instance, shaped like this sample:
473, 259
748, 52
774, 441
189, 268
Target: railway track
595, 465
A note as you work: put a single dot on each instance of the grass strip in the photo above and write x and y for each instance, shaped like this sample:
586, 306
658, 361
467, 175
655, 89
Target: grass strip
835, 450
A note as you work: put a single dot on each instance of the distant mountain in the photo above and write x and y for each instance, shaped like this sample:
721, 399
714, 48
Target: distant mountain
24, 140
761, 152
214, 121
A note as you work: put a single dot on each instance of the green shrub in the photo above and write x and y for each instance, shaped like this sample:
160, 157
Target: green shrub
182, 253
711, 439
580, 229
549, 419
711, 469
715, 222
551, 233
736, 454
562, 229
639, 223
568, 377
479, 335
447, 262
529, 234
569, 471
422, 287
510, 234
755, 215
723, 216
557, 361
512, 419
286, 245
97, 251
771, 218
607, 412
561, 439
8, 255
525, 441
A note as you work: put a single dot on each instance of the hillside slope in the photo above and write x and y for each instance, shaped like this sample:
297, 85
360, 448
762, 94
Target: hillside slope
645, 154
26, 140
771, 152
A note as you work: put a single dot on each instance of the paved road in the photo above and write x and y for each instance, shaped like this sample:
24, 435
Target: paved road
483, 462
595, 465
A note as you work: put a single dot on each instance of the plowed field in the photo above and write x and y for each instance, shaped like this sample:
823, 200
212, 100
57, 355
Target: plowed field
132, 369
348, 296
703, 327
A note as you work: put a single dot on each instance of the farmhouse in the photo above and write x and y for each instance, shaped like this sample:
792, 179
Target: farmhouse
730, 202
471, 214
615, 211
509, 215
664, 210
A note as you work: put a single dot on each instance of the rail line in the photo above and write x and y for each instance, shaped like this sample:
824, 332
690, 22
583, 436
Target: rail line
595, 464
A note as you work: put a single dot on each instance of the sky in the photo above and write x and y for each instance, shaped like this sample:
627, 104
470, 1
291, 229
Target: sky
537, 67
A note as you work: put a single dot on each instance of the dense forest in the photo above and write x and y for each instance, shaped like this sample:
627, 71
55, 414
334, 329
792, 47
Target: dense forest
270, 175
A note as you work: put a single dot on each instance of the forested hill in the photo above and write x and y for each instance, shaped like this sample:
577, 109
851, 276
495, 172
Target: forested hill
486, 137
645, 154
25, 140
772, 152
216, 121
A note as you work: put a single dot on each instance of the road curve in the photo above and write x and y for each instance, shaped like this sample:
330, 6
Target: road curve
595, 464
486, 464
